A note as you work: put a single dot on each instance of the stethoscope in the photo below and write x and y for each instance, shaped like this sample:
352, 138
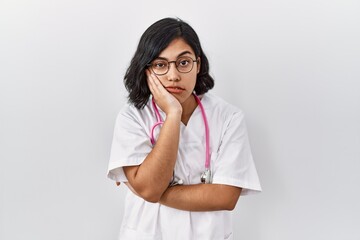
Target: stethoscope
206, 175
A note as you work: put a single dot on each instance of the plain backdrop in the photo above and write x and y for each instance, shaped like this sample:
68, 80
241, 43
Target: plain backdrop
292, 66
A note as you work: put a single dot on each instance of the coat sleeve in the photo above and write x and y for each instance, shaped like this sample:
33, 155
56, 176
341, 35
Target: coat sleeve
130, 145
233, 163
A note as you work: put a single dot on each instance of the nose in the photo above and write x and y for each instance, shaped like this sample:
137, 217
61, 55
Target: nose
173, 73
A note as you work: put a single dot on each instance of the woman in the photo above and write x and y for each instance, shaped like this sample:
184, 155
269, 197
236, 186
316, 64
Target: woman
187, 172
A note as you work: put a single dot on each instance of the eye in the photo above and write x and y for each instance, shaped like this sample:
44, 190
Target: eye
183, 62
159, 64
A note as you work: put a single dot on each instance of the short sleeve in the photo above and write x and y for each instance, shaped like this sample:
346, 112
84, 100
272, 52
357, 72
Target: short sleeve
130, 145
233, 162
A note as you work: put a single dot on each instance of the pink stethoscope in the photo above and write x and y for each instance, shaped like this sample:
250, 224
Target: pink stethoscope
206, 175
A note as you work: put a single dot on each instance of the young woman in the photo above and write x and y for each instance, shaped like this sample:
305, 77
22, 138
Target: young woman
183, 153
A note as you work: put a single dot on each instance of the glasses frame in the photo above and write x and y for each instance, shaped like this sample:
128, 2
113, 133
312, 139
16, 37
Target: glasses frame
150, 65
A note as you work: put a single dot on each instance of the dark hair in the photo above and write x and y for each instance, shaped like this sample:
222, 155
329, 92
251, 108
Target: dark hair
153, 41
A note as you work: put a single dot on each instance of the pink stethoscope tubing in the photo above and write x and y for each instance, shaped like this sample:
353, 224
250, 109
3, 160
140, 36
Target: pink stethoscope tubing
159, 121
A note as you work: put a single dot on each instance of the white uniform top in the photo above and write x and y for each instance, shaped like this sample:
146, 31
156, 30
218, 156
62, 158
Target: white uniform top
231, 164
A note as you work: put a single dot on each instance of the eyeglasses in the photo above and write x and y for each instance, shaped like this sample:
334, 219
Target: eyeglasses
162, 66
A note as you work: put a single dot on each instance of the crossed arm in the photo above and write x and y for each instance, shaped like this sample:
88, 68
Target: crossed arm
199, 197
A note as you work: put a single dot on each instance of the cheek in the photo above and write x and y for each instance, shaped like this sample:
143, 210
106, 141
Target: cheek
162, 80
190, 80
194, 78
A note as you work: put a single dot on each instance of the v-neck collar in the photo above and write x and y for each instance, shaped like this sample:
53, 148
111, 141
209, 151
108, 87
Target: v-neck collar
196, 111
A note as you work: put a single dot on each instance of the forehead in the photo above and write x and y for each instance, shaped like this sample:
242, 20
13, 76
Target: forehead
175, 48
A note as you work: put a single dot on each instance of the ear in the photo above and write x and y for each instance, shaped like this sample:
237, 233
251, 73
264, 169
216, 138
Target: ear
198, 64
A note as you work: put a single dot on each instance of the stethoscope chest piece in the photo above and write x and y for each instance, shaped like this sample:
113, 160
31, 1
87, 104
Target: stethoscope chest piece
206, 176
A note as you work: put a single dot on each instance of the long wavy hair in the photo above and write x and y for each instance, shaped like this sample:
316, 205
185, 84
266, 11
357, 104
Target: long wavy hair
153, 41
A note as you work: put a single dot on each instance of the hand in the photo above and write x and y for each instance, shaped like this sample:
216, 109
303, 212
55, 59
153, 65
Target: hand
165, 100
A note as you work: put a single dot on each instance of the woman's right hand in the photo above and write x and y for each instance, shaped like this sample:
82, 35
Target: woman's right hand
160, 161
165, 100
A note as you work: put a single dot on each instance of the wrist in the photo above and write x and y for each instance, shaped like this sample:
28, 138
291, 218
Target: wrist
174, 114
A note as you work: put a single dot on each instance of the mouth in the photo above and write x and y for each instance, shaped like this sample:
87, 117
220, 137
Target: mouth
175, 89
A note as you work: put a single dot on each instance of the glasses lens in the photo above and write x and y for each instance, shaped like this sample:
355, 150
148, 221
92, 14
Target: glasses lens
184, 64
160, 66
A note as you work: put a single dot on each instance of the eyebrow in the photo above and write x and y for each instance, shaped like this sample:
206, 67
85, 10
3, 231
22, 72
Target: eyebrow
182, 53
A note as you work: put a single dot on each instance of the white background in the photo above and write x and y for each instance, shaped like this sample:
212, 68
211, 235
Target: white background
292, 66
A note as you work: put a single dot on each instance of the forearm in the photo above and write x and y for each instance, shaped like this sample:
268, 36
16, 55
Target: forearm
151, 178
201, 197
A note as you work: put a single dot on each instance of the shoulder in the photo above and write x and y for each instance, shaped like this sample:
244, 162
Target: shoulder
129, 113
218, 106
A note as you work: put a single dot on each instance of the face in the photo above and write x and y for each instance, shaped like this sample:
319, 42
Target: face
180, 84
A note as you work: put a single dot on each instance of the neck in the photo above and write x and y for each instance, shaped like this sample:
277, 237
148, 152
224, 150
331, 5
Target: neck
188, 108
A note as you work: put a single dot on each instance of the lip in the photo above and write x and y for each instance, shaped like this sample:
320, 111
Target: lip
175, 89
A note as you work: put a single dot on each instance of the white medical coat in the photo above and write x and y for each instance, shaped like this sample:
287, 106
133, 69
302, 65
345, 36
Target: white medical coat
231, 164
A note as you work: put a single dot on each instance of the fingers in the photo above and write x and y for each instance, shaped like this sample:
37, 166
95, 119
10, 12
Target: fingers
165, 100
151, 82
155, 85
